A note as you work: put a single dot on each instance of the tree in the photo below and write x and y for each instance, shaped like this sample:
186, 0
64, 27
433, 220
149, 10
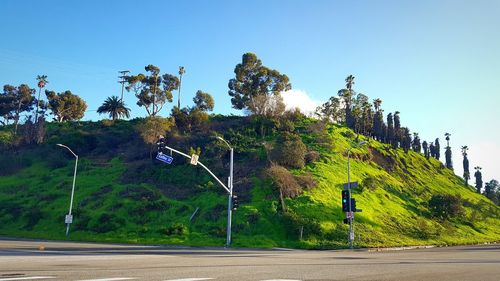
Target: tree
490, 189
466, 165
291, 151
115, 107
397, 129
181, 72
257, 88
479, 179
378, 120
432, 149
152, 91
425, 146
391, 135
416, 146
437, 149
152, 128
203, 101
405, 139
347, 95
42, 81
14, 101
449, 163
66, 106
331, 111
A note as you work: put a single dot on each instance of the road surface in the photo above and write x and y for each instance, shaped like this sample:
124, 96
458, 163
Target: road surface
41, 260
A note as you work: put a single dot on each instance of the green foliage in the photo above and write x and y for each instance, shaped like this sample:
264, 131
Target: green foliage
257, 88
115, 107
290, 151
122, 196
66, 106
445, 206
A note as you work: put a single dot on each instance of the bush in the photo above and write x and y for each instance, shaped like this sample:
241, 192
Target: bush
290, 151
6, 138
312, 156
445, 206
306, 181
285, 182
175, 229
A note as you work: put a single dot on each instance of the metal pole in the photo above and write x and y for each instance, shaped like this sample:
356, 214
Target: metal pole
349, 208
230, 201
72, 194
73, 187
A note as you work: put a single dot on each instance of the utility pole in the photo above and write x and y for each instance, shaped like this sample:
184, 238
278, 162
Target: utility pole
123, 77
69, 216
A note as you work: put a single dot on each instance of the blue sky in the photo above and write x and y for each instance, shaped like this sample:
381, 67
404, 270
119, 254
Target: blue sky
437, 62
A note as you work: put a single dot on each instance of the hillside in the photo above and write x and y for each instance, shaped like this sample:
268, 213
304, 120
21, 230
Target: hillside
122, 195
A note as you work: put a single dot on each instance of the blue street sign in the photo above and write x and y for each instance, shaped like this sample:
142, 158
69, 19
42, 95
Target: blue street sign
164, 158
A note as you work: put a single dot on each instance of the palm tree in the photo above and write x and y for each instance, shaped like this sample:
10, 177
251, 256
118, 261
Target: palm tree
181, 72
447, 135
115, 107
42, 81
349, 82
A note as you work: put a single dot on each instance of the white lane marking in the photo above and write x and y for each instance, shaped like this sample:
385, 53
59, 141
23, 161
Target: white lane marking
281, 280
110, 279
27, 278
190, 279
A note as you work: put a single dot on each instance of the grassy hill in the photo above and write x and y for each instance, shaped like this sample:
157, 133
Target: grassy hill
122, 195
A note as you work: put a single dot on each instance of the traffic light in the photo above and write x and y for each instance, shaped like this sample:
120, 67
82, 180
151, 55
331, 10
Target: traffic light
353, 205
345, 200
161, 144
235, 202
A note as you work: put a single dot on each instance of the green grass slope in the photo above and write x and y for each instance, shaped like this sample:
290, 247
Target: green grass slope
123, 196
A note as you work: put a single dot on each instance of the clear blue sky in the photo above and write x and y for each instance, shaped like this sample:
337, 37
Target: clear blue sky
437, 62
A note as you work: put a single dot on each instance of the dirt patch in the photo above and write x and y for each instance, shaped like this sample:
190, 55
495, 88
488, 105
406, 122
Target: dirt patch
385, 162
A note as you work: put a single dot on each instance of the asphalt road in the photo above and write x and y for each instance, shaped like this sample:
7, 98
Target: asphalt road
39, 260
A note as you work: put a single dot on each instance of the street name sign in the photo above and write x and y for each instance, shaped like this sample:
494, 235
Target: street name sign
354, 184
164, 158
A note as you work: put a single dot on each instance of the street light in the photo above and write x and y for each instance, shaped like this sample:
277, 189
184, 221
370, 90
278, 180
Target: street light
351, 230
69, 217
230, 198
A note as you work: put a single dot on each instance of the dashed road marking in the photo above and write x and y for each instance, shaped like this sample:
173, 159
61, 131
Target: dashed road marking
110, 279
190, 279
27, 278
281, 280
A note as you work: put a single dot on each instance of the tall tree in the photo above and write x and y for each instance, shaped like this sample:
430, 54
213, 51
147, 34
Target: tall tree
437, 149
405, 139
181, 72
42, 81
397, 129
66, 106
391, 135
466, 165
416, 146
347, 95
425, 146
115, 107
256, 88
449, 163
432, 149
148, 89
479, 179
378, 120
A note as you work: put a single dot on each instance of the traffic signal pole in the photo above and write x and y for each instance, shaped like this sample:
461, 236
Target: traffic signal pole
349, 207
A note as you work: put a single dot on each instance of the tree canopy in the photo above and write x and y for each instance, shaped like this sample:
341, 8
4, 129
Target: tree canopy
256, 88
66, 106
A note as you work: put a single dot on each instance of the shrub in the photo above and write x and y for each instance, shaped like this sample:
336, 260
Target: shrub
290, 151
445, 206
312, 156
175, 229
285, 182
306, 181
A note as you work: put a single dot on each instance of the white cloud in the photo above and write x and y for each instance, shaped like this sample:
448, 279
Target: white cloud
299, 99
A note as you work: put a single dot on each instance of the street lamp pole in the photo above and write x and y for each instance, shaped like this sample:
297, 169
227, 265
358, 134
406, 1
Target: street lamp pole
229, 201
69, 218
351, 229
